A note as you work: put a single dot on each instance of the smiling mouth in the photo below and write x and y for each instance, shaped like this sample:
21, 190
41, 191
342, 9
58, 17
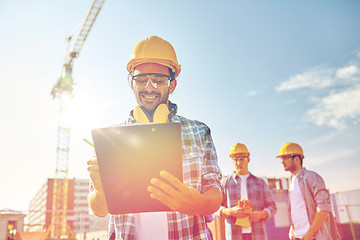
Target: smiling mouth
149, 96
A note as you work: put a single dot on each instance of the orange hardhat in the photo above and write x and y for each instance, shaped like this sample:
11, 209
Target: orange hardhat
239, 150
290, 149
154, 50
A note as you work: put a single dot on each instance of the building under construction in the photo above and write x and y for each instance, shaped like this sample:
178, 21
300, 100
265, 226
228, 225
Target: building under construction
78, 217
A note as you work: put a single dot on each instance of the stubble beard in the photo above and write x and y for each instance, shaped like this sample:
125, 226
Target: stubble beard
142, 102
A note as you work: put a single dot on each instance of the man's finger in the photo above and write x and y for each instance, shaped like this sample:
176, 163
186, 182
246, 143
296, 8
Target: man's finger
159, 195
168, 189
92, 162
93, 168
174, 181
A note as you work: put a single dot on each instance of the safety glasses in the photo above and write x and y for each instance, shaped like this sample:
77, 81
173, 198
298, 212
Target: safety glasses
157, 80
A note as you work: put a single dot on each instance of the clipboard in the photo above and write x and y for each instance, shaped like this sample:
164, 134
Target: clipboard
129, 156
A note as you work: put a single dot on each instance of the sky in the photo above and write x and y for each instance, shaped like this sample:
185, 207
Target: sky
261, 73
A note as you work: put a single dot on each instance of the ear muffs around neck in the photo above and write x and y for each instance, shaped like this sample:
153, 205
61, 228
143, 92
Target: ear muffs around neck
160, 115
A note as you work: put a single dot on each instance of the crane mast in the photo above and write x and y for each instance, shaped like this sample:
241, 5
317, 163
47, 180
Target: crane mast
63, 90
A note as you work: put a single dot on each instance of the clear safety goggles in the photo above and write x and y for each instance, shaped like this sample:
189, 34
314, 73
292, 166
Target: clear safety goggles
239, 159
157, 80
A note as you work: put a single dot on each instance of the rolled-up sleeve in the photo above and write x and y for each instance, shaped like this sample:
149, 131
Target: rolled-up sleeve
269, 202
211, 173
321, 194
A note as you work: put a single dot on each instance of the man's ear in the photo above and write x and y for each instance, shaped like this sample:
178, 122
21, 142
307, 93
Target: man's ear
132, 84
173, 84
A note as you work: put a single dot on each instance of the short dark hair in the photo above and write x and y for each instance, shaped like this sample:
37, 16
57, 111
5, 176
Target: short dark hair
172, 74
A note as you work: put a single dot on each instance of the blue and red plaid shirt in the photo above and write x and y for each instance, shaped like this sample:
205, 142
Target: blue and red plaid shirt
258, 192
200, 170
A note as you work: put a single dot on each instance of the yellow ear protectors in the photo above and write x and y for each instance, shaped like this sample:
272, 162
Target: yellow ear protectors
160, 115
140, 115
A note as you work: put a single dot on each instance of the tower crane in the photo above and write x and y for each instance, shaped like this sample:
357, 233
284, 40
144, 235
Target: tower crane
63, 90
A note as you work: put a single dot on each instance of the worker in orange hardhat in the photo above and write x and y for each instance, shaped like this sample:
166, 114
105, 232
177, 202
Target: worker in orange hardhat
158, 56
153, 69
310, 206
242, 185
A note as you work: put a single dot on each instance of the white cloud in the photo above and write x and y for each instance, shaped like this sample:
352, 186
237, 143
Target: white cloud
330, 157
318, 77
351, 72
322, 77
340, 105
336, 109
251, 93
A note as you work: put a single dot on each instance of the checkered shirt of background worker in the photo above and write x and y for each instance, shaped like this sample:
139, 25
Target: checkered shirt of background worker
317, 197
261, 197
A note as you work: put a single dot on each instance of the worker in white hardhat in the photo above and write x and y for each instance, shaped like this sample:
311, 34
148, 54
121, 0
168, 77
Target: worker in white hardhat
153, 70
310, 206
241, 186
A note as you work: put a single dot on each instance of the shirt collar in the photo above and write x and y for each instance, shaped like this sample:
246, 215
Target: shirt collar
234, 175
298, 174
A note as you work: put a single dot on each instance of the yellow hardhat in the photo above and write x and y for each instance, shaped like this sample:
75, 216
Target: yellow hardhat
290, 149
239, 150
154, 50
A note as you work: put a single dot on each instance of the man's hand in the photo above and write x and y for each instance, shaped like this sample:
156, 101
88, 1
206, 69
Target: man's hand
96, 198
235, 211
291, 233
93, 169
307, 237
256, 216
318, 221
176, 195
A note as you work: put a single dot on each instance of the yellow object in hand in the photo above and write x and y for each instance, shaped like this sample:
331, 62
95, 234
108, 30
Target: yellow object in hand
243, 222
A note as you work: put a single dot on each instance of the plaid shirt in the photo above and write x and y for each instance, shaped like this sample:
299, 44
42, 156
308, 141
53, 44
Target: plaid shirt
316, 196
259, 193
200, 170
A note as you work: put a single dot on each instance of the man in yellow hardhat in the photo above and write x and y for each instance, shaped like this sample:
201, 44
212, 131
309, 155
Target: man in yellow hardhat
242, 223
310, 206
153, 69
